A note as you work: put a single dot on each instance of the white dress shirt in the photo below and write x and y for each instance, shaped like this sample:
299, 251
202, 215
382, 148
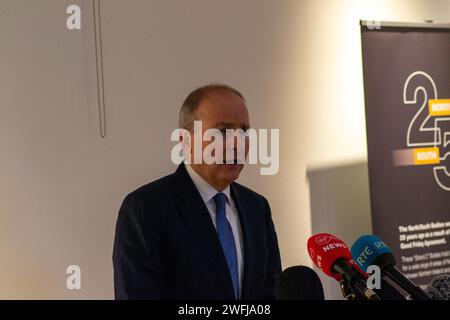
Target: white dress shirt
207, 192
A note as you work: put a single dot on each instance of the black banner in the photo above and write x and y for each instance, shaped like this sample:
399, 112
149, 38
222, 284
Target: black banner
407, 97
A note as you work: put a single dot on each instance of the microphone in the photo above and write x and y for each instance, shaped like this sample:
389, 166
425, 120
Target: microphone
333, 257
370, 250
298, 283
439, 287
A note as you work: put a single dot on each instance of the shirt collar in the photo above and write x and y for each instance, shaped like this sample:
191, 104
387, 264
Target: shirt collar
207, 192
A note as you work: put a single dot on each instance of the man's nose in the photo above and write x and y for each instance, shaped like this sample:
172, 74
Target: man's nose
231, 141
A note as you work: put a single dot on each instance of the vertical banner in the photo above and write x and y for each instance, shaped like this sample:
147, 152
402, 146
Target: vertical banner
407, 98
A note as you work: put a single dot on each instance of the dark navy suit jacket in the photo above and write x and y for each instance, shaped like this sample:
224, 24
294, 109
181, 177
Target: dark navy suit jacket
166, 246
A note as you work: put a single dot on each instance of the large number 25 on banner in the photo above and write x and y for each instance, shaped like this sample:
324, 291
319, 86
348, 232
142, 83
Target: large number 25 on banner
429, 129
407, 98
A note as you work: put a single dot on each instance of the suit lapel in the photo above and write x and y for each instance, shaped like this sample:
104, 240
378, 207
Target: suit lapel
196, 216
249, 245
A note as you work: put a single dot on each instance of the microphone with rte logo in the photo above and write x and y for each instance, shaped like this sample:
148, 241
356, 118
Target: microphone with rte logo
370, 250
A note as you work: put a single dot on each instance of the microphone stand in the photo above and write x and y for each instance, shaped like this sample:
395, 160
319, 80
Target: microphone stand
347, 292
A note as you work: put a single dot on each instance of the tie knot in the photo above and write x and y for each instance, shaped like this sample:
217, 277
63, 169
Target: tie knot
220, 200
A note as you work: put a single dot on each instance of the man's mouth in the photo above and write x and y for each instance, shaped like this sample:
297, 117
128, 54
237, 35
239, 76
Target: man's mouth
234, 162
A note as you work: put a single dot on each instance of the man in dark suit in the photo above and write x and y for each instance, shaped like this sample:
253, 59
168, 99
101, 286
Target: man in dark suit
197, 234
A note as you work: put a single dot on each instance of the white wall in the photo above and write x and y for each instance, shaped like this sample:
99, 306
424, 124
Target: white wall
297, 62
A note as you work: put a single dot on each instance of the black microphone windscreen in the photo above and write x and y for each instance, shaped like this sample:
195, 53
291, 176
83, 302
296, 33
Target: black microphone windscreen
298, 283
439, 288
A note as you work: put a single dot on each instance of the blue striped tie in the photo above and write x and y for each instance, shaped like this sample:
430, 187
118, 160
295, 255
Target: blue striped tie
226, 239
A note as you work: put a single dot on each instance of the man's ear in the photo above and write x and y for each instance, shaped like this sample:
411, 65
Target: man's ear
185, 140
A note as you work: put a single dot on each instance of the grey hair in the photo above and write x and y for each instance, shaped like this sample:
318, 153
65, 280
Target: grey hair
189, 107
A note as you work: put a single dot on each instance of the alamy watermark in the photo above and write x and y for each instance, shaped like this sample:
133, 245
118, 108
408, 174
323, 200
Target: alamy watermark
228, 146
73, 281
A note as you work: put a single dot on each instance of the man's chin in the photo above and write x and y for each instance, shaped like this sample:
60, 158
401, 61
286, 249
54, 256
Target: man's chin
230, 172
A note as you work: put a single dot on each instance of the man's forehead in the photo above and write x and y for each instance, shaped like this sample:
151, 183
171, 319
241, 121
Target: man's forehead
236, 124
227, 117
224, 108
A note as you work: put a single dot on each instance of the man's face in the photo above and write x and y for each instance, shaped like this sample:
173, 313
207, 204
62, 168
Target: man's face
221, 110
